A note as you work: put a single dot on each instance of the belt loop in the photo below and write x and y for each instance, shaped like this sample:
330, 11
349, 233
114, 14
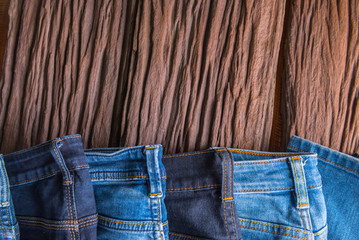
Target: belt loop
227, 173
57, 155
300, 184
5, 195
153, 158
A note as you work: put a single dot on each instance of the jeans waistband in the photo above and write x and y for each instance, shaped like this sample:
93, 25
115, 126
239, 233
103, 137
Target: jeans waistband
200, 170
339, 159
260, 172
128, 164
59, 155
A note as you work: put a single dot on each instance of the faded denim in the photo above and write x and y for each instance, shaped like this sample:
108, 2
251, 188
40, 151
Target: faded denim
279, 195
129, 185
340, 176
9, 228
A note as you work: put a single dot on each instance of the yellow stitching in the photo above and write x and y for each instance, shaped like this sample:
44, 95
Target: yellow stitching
301, 217
270, 225
189, 154
234, 227
328, 161
47, 224
151, 147
41, 145
89, 224
155, 194
44, 176
50, 228
256, 162
119, 177
68, 212
93, 221
225, 186
273, 189
10, 234
295, 170
123, 177
321, 231
275, 232
165, 224
107, 220
177, 189
180, 235
303, 205
158, 212
228, 198
59, 223
305, 192
265, 154
324, 236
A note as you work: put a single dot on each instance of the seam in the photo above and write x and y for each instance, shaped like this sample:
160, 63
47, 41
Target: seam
228, 198
123, 177
118, 222
321, 231
301, 217
296, 175
158, 222
155, 194
206, 186
234, 228
273, 189
41, 145
225, 186
10, 234
266, 154
285, 234
189, 154
328, 161
151, 147
231, 189
180, 235
275, 226
305, 192
325, 235
50, 228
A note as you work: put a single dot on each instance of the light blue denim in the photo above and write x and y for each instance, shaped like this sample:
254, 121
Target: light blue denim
129, 185
279, 195
9, 229
340, 176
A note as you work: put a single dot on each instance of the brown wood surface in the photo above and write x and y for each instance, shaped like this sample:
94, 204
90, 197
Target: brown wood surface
321, 75
185, 74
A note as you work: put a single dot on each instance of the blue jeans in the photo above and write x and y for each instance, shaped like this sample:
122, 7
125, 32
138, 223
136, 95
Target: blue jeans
52, 191
9, 229
129, 185
199, 197
279, 195
340, 176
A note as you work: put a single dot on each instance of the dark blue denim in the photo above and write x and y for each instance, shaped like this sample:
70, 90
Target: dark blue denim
199, 196
9, 229
129, 186
52, 191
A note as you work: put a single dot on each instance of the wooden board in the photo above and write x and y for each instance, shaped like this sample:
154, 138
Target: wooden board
186, 74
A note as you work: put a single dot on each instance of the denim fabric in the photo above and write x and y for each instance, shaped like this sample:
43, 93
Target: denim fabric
199, 197
279, 195
129, 185
9, 228
340, 176
52, 191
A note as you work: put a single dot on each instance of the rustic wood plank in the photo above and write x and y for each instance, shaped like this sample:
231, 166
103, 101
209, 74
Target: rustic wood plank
321, 75
4, 21
186, 74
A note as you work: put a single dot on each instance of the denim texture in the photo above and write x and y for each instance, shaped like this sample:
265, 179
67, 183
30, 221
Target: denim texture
199, 196
9, 229
340, 176
279, 195
52, 191
129, 185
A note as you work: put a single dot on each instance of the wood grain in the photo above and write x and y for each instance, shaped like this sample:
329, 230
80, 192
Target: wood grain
186, 74
321, 75
4, 21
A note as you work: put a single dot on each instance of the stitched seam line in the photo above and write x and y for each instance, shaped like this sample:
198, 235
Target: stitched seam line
179, 235
234, 227
42, 145
47, 175
328, 161
158, 222
151, 147
231, 189
301, 217
50, 228
225, 186
270, 225
295, 170
321, 231
266, 154
273, 189
123, 177
177, 189
59, 223
112, 221
183, 155
305, 192
274, 232
10, 234
324, 236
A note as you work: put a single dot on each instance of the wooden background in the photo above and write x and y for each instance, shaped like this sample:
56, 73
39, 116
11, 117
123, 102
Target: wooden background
186, 74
